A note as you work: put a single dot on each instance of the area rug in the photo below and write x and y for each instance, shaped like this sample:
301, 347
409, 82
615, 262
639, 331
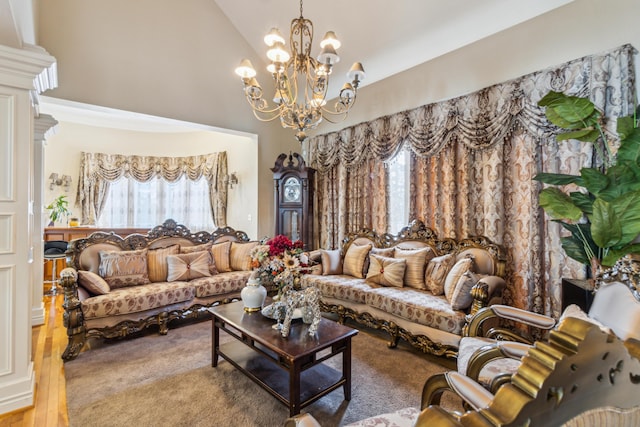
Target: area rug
168, 380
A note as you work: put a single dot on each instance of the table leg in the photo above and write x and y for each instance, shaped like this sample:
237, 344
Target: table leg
294, 389
215, 342
346, 370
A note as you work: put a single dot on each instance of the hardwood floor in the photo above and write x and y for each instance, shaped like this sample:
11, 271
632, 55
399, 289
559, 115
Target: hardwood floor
49, 342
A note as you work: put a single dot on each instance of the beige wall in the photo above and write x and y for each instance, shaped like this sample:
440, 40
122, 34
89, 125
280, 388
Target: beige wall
62, 155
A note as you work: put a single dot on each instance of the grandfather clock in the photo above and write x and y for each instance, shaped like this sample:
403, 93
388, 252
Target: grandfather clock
293, 198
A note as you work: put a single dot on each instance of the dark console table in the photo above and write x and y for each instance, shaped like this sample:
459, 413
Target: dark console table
576, 291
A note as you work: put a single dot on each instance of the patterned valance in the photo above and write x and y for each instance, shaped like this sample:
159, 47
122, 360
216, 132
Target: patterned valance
112, 167
481, 119
97, 170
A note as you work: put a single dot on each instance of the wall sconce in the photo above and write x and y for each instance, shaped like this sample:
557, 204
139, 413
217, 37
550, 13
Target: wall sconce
232, 179
64, 181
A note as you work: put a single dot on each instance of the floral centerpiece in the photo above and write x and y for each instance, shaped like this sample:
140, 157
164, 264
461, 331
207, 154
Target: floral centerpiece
279, 262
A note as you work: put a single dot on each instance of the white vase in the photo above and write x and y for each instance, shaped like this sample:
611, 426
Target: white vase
253, 295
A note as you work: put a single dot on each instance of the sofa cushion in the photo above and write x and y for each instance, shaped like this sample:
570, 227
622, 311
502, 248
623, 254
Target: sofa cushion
204, 247
240, 256
136, 299
354, 259
220, 253
124, 268
220, 284
418, 307
417, 260
184, 267
93, 283
461, 297
342, 287
157, 262
388, 252
436, 273
459, 269
386, 271
331, 262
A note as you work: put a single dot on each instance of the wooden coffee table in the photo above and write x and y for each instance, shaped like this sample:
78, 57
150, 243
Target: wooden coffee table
291, 368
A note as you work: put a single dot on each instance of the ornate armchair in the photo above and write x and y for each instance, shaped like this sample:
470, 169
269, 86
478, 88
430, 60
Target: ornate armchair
582, 375
490, 356
485, 364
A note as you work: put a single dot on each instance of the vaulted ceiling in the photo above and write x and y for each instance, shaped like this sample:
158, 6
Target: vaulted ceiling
387, 37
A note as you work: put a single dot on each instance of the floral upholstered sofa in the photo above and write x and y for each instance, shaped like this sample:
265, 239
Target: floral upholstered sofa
412, 285
116, 286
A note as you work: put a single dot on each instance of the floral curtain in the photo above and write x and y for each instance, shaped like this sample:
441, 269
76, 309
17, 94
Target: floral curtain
473, 160
97, 170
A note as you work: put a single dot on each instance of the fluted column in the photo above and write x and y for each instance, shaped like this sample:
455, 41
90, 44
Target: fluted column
44, 126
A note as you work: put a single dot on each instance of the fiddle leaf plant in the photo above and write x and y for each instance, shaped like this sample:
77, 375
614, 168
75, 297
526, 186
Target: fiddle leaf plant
58, 208
603, 214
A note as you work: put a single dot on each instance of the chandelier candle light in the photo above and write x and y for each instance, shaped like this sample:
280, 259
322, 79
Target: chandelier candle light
299, 75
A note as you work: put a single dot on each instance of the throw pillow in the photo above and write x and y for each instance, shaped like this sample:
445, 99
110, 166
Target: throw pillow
388, 252
417, 260
460, 268
220, 253
157, 262
204, 247
124, 268
461, 297
331, 262
185, 267
240, 256
436, 272
354, 260
93, 283
386, 271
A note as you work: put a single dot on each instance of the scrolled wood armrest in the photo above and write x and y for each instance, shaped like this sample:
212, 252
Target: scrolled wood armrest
483, 291
474, 327
474, 394
494, 284
69, 274
497, 350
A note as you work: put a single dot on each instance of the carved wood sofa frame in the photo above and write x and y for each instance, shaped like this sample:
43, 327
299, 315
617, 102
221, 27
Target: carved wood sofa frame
74, 321
417, 231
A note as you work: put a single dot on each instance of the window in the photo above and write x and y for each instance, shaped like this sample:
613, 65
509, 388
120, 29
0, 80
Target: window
130, 203
398, 169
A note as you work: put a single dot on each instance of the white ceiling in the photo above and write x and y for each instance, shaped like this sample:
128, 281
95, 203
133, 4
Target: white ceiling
387, 37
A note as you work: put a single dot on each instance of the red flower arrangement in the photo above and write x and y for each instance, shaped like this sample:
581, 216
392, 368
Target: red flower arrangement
279, 262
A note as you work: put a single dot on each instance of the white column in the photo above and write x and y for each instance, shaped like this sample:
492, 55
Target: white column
24, 73
44, 127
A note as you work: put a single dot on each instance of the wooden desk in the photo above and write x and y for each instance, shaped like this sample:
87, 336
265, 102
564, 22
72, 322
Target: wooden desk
69, 233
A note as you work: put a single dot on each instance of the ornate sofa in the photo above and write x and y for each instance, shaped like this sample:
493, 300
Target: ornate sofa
115, 286
413, 285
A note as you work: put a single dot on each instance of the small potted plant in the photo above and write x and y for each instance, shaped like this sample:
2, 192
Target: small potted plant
57, 209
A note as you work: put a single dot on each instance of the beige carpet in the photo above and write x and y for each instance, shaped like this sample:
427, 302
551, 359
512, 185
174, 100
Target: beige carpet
168, 381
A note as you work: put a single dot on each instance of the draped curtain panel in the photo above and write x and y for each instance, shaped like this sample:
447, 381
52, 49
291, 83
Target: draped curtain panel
473, 160
97, 170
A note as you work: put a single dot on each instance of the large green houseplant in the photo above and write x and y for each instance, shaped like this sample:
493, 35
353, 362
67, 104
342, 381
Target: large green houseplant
603, 214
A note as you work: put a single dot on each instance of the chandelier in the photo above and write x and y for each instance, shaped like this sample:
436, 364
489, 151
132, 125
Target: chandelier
301, 81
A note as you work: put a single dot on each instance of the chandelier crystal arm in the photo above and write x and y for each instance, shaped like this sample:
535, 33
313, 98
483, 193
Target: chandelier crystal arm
301, 81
